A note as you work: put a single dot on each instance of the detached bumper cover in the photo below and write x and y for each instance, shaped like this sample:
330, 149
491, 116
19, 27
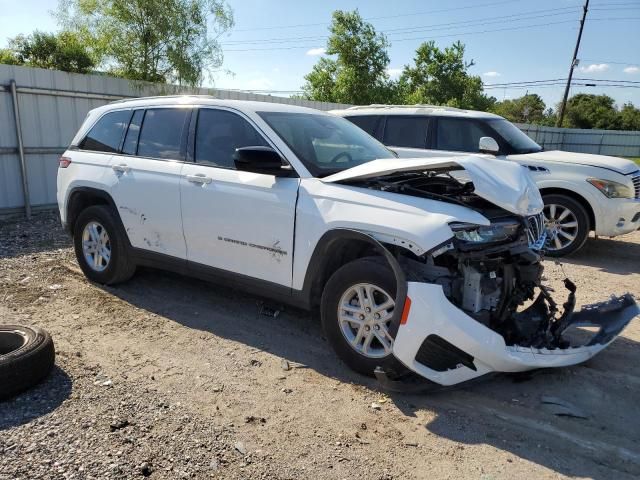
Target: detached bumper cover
444, 345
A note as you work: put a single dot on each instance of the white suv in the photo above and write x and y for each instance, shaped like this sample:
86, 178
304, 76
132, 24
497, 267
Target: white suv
581, 192
412, 270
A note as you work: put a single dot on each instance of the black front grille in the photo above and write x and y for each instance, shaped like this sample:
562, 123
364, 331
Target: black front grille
636, 185
536, 232
439, 355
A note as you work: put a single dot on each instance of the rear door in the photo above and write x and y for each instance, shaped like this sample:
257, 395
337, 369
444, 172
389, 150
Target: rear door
235, 221
145, 179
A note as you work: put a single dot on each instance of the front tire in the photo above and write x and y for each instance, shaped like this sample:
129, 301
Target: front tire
101, 246
567, 224
357, 305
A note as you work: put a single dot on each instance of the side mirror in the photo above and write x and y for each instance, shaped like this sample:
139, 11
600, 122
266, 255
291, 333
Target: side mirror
488, 145
260, 159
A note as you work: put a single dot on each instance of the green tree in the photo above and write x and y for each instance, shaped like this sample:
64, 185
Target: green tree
591, 111
440, 77
62, 51
357, 74
529, 108
152, 40
629, 117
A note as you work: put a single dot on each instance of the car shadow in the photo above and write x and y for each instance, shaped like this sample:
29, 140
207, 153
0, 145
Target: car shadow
608, 255
36, 402
296, 336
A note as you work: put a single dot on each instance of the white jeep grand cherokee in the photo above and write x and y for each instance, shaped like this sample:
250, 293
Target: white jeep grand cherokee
581, 192
412, 270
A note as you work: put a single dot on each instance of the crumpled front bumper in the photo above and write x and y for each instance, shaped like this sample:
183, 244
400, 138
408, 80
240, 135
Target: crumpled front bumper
443, 344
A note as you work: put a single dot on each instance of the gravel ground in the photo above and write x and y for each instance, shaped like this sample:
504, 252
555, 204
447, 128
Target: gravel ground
170, 377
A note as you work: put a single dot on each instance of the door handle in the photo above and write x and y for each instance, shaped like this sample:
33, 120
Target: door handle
122, 168
199, 178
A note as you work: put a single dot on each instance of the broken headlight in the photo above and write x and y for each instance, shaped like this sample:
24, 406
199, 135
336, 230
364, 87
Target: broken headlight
496, 232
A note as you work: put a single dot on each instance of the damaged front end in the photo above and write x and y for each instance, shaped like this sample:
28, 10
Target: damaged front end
477, 303
477, 309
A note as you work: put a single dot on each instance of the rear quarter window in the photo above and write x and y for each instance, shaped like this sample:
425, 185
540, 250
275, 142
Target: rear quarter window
106, 134
368, 123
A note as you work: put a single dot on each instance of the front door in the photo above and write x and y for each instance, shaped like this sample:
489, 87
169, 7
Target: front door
236, 221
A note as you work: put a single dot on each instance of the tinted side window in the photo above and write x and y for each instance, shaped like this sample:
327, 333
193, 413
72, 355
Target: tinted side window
161, 133
409, 132
219, 133
131, 140
105, 135
459, 135
368, 123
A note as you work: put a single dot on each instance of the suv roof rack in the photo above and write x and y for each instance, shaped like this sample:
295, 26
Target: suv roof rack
124, 100
417, 105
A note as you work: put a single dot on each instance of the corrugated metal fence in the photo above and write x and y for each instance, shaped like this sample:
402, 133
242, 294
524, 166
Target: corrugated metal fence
603, 142
51, 107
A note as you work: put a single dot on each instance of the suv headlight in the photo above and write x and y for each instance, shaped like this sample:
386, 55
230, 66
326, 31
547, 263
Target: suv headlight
612, 189
496, 232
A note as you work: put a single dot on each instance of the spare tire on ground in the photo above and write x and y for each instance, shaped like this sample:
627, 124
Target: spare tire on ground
27, 356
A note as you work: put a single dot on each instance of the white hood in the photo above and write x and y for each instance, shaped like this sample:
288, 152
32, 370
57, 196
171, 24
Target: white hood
621, 165
504, 184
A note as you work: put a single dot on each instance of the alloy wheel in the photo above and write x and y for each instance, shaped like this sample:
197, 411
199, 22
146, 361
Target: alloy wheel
364, 314
562, 226
96, 246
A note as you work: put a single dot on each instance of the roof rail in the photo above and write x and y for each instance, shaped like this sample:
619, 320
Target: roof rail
417, 105
124, 100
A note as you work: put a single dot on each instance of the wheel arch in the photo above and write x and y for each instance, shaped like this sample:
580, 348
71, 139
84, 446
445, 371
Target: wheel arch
340, 246
82, 197
575, 196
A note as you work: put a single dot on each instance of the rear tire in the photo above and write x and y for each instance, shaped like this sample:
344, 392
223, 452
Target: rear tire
362, 275
565, 218
98, 234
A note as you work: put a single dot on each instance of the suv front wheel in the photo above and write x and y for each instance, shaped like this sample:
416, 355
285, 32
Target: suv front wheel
567, 224
101, 247
357, 307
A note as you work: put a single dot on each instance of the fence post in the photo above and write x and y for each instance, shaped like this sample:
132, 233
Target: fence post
23, 164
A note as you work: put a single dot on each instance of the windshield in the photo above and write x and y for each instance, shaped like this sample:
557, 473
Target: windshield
516, 138
325, 144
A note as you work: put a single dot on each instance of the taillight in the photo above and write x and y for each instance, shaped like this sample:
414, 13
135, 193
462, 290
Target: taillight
64, 162
405, 311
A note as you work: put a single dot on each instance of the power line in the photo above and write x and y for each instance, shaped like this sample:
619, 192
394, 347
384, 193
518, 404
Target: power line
438, 26
465, 7
413, 38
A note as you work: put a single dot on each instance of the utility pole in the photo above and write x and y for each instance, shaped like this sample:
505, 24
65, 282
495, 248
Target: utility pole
574, 63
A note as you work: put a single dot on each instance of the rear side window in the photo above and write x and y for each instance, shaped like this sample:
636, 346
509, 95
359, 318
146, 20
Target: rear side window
161, 133
219, 133
459, 135
131, 140
106, 134
368, 123
409, 132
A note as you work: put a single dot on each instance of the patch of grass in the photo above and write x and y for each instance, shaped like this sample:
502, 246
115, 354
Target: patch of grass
635, 159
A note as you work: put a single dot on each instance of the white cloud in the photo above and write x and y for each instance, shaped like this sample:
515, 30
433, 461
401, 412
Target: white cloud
394, 72
632, 70
314, 52
491, 74
595, 67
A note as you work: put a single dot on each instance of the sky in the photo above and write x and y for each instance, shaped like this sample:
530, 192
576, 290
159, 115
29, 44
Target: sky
276, 42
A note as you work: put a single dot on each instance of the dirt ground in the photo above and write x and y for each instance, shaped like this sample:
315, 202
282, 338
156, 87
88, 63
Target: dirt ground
170, 377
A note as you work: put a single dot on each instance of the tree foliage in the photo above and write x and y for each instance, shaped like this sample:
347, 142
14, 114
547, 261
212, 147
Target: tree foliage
591, 111
357, 74
440, 77
62, 51
529, 108
152, 40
